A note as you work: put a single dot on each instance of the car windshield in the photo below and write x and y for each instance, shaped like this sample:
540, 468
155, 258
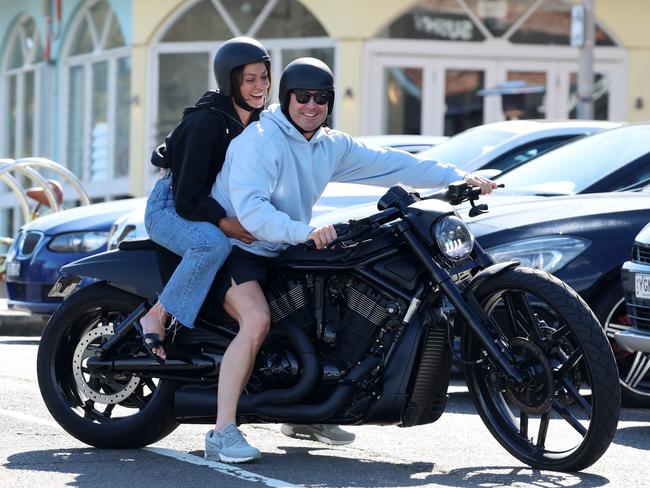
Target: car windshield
467, 145
575, 166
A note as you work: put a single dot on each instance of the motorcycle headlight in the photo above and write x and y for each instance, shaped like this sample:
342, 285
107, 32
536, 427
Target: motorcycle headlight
454, 238
78, 242
549, 253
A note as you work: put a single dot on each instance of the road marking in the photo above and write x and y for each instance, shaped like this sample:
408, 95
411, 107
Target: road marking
221, 467
181, 456
28, 418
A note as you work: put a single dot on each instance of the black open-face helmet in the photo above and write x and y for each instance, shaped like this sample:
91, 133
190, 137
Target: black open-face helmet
306, 74
232, 54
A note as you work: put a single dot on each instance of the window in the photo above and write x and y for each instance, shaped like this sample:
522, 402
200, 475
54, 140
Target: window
97, 104
21, 73
187, 45
522, 154
442, 20
519, 21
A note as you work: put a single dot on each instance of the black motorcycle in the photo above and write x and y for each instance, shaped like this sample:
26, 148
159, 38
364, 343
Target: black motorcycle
362, 333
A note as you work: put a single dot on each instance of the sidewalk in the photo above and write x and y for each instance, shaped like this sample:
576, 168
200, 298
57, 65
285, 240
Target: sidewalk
14, 323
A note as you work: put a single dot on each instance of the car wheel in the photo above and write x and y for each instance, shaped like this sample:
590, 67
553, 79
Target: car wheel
633, 367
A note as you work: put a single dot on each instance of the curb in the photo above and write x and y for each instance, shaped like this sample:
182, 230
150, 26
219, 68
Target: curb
21, 324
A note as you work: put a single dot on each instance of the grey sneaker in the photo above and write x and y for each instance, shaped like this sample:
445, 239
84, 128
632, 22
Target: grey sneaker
328, 434
229, 446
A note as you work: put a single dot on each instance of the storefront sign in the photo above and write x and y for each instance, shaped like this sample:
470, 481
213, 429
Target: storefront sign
577, 25
444, 28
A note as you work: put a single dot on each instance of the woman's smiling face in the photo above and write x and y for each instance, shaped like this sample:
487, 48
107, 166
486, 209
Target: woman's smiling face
255, 84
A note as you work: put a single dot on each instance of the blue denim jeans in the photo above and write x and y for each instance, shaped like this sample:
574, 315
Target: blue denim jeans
202, 246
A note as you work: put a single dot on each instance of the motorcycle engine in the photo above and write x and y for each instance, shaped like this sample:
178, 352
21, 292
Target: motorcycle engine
341, 315
363, 311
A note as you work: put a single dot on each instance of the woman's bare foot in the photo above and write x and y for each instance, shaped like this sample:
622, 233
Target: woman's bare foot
153, 322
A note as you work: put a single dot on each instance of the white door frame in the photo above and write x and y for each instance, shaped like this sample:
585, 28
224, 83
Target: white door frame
495, 57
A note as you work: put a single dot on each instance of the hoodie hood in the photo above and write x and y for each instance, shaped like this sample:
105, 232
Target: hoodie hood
216, 101
275, 115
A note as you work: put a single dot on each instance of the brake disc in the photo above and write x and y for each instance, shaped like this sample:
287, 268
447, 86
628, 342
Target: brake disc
108, 389
537, 396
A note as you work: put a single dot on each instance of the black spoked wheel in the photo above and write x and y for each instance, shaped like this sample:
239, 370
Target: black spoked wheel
633, 367
112, 410
565, 416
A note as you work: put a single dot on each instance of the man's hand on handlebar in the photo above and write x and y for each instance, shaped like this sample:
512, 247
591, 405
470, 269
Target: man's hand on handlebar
322, 235
486, 185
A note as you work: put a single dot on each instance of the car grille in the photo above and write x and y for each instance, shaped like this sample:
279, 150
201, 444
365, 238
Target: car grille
27, 242
639, 315
641, 253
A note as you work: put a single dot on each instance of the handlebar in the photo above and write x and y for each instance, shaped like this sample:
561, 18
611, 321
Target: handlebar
455, 194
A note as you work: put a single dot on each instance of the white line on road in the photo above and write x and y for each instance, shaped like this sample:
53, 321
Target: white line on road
221, 467
28, 418
181, 456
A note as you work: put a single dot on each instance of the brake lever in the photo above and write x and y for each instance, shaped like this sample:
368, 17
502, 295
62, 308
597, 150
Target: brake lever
481, 208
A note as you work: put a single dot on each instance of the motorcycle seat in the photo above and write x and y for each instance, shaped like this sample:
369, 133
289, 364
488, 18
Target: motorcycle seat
140, 244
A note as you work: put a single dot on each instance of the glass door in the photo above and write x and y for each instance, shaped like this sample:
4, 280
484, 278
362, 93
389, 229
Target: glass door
425, 95
533, 91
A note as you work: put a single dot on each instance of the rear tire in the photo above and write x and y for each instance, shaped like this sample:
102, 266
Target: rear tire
107, 411
566, 417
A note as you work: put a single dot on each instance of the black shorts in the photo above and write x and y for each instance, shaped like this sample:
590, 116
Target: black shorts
240, 267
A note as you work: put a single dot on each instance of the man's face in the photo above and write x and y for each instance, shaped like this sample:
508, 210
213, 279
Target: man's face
309, 116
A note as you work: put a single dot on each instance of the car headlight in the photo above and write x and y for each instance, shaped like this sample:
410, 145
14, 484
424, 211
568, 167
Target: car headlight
454, 238
546, 253
78, 242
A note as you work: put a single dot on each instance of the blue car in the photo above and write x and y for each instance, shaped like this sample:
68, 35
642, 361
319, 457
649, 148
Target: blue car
47, 243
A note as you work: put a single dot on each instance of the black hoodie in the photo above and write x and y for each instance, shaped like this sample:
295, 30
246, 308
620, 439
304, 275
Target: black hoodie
197, 147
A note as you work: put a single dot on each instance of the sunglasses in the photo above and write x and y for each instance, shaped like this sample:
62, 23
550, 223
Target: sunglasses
320, 97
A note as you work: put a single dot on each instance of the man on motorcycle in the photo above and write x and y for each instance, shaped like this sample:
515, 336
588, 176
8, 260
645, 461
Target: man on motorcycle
273, 173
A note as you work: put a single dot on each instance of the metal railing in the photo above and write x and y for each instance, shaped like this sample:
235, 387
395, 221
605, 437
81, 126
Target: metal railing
29, 167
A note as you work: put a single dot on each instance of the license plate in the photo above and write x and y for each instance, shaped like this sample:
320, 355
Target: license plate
13, 269
642, 285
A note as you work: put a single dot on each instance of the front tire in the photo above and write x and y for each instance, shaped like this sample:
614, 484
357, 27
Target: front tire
566, 417
118, 411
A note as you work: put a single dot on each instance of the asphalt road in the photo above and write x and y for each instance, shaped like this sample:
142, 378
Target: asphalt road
455, 451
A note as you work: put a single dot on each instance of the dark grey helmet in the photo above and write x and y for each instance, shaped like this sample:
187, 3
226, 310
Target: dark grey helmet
232, 54
306, 74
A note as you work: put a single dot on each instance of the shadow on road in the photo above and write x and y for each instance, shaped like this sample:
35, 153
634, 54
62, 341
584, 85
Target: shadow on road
637, 437
305, 466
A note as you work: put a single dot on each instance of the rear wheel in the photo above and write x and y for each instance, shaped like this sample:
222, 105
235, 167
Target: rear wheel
114, 410
565, 416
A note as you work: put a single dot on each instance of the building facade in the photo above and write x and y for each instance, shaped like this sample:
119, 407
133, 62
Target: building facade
96, 84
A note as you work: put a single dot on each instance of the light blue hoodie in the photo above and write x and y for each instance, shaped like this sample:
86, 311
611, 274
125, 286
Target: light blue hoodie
272, 176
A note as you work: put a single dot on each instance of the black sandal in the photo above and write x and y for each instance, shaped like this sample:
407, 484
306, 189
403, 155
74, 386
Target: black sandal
149, 341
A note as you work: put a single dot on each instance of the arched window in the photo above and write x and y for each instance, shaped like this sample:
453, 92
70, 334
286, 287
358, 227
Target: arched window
22, 66
187, 43
518, 21
97, 99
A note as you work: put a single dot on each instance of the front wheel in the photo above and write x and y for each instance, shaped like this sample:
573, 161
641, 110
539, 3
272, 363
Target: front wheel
108, 410
565, 416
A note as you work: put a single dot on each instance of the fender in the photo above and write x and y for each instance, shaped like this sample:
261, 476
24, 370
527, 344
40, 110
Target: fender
134, 271
487, 273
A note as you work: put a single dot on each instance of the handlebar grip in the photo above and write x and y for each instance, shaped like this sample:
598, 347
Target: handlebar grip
341, 229
310, 245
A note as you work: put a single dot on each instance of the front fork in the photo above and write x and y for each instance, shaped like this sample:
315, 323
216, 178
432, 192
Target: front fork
469, 308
